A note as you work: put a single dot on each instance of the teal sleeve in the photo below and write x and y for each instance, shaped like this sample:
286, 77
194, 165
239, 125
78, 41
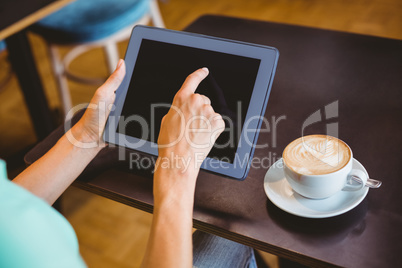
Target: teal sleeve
32, 233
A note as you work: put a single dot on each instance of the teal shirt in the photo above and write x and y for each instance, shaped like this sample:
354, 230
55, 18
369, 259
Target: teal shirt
32, 233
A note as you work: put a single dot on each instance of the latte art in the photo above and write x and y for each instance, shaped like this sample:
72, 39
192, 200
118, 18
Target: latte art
316, 155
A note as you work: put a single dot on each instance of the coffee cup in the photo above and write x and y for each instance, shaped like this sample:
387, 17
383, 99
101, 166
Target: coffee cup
319, 166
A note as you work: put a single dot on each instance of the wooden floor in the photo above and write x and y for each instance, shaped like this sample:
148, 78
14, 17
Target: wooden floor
112, 234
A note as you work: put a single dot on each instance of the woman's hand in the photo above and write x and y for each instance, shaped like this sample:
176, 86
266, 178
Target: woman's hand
188, 132
50, 175
88, 130
189, 129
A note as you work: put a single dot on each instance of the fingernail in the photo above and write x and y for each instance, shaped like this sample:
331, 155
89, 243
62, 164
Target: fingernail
119, 63
218, 117
205, 69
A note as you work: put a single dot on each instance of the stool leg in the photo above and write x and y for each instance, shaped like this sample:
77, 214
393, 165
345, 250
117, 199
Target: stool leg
156, 14
61, 79
112, 55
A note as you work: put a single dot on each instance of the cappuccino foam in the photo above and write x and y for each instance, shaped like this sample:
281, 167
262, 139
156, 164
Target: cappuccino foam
316, 155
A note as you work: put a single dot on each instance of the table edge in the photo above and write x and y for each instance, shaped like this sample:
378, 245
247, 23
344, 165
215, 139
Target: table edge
209, 228
32, 18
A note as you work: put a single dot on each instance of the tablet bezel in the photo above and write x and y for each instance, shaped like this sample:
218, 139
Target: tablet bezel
256, 109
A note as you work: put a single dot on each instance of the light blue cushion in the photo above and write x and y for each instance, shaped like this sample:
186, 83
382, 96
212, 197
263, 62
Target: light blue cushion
90, 20
2, 45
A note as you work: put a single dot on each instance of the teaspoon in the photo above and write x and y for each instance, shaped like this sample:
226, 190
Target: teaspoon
370, 182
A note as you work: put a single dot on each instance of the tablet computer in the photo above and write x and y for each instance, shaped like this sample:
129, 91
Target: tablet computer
157, 63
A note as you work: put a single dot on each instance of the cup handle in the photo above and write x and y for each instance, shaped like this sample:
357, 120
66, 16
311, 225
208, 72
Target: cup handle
355, 184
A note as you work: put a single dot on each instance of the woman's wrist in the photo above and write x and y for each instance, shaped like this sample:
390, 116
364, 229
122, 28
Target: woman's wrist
174, 185
80, 139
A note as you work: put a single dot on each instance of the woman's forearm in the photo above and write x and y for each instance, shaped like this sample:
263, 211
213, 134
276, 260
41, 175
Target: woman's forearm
50, 175
188, 132
170, 241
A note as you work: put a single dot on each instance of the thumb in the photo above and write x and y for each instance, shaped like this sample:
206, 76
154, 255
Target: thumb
115, 79
105, 94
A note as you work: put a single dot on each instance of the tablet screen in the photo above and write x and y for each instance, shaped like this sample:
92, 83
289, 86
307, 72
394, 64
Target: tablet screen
159, 72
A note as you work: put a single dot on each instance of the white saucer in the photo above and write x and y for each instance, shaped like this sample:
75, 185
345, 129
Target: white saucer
282, 195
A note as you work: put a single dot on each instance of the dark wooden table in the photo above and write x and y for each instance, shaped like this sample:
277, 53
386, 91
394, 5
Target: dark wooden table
316, 67
15, 16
